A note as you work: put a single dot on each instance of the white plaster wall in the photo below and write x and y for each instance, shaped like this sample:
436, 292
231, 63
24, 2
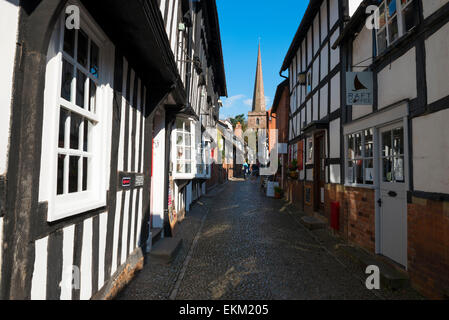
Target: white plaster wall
324, 56
309, 111
437, 64
431, 152
335, 93
335, 174
333, 12
315, 106
323, 10
9, 16
316, 73
67, 262
157, 193
298, 123
362, 49
335, 54
303, 117
359, 111
316, 34
353, 5
304, 55
334, 132
309, 46
430, 6
324, 101
397, 81
39, 279
86, 261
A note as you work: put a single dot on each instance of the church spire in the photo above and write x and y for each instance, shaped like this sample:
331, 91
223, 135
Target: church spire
259, 104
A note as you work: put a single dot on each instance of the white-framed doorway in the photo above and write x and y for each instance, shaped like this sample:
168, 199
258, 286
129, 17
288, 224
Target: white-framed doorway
392, 191
390, 194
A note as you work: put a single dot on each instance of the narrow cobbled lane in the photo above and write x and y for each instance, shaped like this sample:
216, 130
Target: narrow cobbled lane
240, 245
248, 249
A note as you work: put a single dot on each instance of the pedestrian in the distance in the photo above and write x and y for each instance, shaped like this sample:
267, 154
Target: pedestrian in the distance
245, 169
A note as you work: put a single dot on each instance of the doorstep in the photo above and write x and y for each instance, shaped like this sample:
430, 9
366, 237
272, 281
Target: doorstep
165, 250
390, 276
313, 222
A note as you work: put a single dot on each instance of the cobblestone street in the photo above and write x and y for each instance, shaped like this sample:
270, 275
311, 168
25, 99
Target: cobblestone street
249, 246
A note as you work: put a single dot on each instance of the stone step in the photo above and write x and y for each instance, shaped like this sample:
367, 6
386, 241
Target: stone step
165, 250
156, 234
390, 275
313, 223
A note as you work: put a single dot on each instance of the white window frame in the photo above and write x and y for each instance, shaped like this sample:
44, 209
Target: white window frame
175, 174
385, 28
362, 157
68, 205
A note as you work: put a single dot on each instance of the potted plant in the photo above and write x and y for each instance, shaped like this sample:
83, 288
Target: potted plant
278, 192
293, 167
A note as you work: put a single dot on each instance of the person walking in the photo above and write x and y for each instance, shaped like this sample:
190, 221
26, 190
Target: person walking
245, 169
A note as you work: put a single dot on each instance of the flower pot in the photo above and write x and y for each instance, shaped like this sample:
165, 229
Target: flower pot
294, 175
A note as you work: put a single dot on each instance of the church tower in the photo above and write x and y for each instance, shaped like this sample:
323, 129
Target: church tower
257, 118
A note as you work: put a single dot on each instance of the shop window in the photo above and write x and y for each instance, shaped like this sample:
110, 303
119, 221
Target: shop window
393, 156
360, 158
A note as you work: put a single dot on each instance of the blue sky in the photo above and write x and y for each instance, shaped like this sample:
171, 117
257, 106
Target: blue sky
242, 22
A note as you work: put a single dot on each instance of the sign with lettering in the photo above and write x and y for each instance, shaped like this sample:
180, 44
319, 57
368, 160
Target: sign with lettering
126, 182
359, 88
139, 181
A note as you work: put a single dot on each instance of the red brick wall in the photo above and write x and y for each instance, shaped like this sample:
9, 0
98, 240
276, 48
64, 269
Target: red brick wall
360, 211
428, 247
357, 214
295, 192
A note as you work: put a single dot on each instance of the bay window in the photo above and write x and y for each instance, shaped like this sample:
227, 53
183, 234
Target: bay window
396, 18
183, 138
77, 114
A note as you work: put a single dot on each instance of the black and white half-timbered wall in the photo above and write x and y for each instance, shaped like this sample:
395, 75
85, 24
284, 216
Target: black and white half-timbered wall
316, 77
401, 137
371, 136
200, 62
83, 130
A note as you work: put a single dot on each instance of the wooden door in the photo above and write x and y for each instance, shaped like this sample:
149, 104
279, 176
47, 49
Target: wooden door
319, 171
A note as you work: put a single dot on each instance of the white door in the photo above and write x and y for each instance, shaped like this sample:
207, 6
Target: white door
393, 193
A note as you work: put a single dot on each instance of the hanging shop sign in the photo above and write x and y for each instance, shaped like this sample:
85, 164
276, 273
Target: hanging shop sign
359, 88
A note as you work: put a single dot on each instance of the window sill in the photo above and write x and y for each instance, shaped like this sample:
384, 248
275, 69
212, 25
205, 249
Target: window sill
183, 176
394, 46
364, 186
63, 208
